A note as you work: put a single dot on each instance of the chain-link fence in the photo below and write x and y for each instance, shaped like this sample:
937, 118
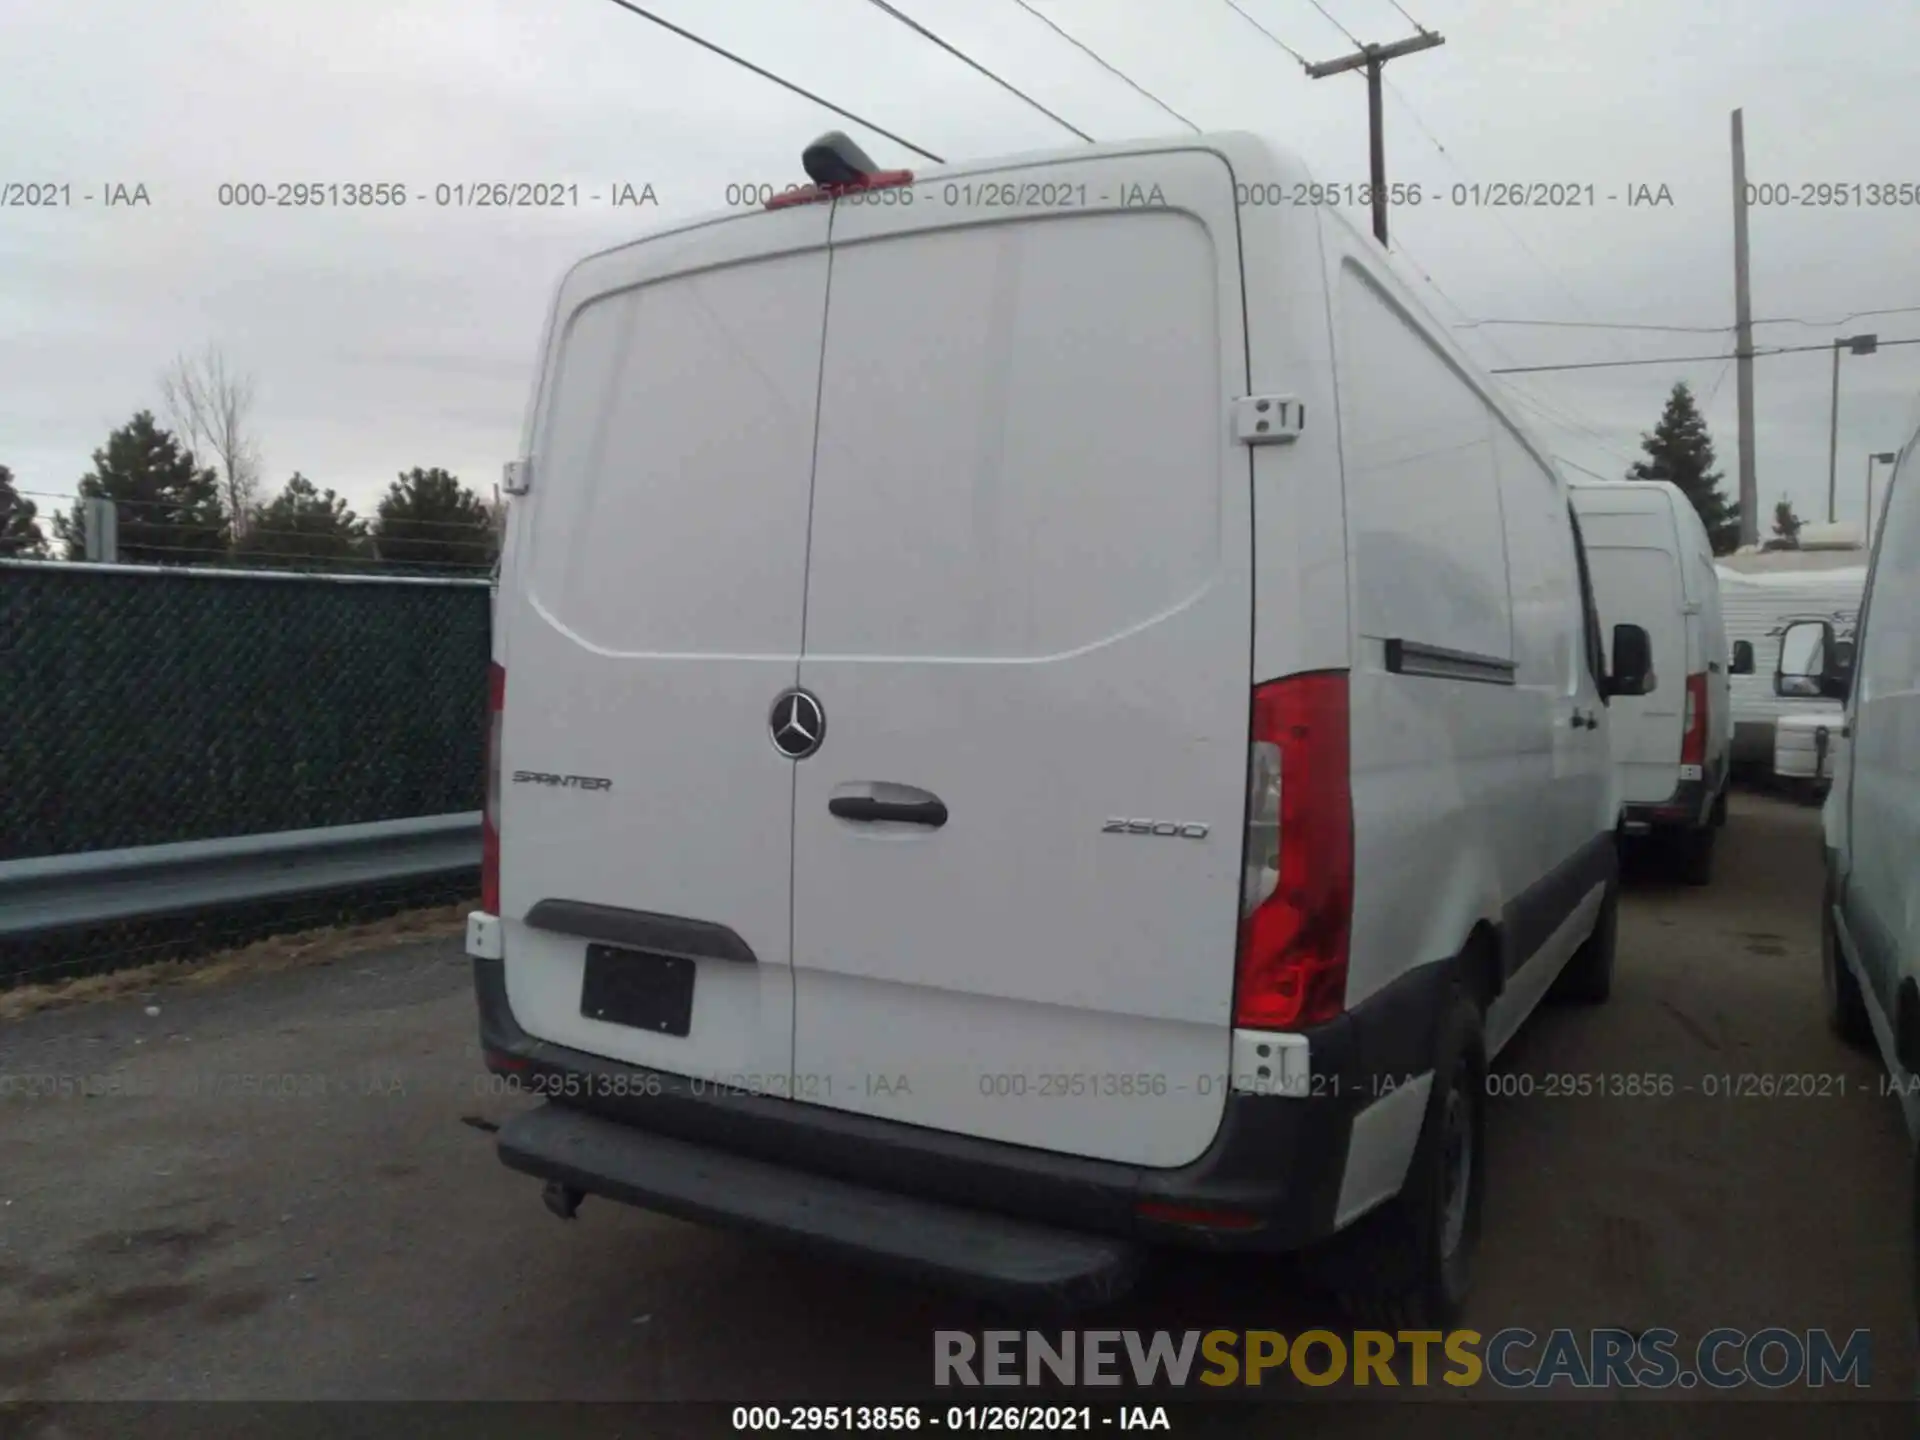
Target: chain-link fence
147, 705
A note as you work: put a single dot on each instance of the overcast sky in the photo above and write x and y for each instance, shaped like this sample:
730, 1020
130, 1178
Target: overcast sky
385, 339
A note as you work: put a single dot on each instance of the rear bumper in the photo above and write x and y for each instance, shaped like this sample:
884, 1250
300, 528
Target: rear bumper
865, 1187
1688, 808
971, 1251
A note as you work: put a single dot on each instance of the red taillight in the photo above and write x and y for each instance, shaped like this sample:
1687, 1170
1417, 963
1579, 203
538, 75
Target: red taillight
1693, 740
1297, 895
878, 180
490, 816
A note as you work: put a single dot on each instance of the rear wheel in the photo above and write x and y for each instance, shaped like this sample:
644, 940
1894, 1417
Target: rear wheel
1588, 976
1693, 855
1409, 1264
1720, 808
1846, 1010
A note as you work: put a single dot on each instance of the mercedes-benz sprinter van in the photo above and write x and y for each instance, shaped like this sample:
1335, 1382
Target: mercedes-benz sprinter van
1040, 710
1653, 565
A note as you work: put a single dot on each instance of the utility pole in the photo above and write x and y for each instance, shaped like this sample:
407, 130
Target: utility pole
1743, 341
1372, 58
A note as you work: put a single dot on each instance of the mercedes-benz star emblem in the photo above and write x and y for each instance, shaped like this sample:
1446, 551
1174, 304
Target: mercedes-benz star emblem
798, 724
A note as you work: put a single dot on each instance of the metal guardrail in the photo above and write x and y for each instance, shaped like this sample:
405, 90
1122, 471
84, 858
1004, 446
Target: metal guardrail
59, 892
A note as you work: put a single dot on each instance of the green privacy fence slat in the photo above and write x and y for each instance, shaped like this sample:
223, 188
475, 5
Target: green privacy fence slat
140, 706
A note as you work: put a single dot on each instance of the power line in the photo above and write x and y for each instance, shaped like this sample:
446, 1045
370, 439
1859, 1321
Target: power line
1499, 219
1718, 380
1406, 17
1337, 25
919, 29
764, 74
1268, 33
1687, 359
1564, 419
1552, 414
1605, 325
1695, 329
1105, 66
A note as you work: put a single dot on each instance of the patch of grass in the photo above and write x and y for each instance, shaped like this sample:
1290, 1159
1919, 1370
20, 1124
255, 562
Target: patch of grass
320, 946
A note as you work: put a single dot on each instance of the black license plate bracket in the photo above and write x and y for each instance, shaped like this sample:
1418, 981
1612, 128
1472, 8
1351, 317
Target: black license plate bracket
640, 989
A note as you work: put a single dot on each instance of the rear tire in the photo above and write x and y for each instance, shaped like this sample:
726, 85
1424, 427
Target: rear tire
1693, 855
1409, 1264
1720, 808
1846, 1010
1588, 976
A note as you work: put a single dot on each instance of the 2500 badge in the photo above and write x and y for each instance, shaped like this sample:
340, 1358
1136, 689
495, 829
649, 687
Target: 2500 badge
1163, 828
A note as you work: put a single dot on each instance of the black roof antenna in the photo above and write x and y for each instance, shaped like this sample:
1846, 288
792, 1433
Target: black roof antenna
834, 159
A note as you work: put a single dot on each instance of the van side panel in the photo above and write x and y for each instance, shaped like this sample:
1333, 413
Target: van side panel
1881, 896
1550, 665
1301, 614
1441, 768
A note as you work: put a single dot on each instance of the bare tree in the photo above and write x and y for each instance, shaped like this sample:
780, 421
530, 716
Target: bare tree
212, 409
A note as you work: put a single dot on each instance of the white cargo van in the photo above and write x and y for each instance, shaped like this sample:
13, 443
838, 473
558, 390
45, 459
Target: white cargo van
1870, 916
1653, 565
1040, 710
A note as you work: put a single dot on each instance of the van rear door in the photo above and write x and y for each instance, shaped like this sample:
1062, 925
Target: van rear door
651, 621
1028, 622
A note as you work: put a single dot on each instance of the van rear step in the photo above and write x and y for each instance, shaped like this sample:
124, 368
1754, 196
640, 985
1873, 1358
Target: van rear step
969, 1251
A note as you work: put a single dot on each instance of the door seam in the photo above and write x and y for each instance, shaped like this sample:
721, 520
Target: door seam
806, 589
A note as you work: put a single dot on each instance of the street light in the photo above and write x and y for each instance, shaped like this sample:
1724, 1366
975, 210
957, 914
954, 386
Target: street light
1885, 457
1859, 345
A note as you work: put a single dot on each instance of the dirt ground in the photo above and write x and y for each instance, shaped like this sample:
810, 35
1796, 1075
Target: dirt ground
178, 1237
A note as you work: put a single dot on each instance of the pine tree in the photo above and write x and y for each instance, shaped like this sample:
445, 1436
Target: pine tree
303, 522
1680, 452
428, 518
167, 507
20, 533
1786, 524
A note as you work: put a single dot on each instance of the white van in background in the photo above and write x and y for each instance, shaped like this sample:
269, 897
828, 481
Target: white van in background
1040, 711
1653, 565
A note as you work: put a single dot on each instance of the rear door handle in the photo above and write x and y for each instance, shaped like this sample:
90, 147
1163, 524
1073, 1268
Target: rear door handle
931, 813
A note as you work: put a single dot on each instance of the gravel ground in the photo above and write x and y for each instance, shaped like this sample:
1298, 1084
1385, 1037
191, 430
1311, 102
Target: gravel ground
181, 1238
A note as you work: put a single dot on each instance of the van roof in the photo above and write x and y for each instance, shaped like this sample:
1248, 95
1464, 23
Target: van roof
1254, 159
1626, 491
1635, 497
